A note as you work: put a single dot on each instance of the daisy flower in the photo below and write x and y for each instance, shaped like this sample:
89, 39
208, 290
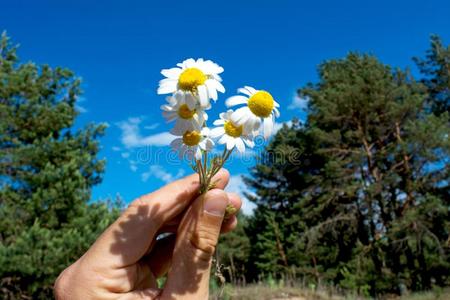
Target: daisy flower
193, 77
191, 143
260, 107
186, 119
231, 134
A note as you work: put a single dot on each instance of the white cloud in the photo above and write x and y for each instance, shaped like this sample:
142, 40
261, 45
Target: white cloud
237, 185
133, 165
135, 120
81, 109
125, 154
151, 126
145, 176
277, 126
116, 149
298, 103
159, 139
78, 107
132, 138
162, 174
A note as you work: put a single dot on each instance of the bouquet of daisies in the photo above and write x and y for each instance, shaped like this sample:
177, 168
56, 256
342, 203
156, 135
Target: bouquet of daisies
192, 85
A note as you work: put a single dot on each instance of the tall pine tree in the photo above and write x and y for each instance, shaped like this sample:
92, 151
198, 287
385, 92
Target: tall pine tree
366, 206
386, 168
435, 68
46, 172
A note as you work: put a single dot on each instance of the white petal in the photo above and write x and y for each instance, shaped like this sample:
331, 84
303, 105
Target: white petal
227, 115
256, 123
249, 142
244, 91
181, 127
191, 101
207, 144
211, 89
203, 95
216, 77
198, 154
240, 145
171, 73
253, 126
219, 122
167, 80
175, 144
224, 139
173, 100
268, 126
277, 112
199, 61
189, 63
212, 67
207, 107
241, 115
204, 115
231, 143
223, 115
235, 100
276, 104
176, 131
219, 86
167, 87
216, 132
197, 119
167, 108
208, 67
169, 116
250, 89
215, 82
202, 144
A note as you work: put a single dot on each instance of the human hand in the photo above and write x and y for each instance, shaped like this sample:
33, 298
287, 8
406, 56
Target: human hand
126, 259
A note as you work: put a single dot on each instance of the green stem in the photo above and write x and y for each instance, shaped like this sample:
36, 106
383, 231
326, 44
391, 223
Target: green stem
205, 163
201, 175
206, 174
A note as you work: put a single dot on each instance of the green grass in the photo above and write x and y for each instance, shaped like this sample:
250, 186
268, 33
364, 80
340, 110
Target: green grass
265, 292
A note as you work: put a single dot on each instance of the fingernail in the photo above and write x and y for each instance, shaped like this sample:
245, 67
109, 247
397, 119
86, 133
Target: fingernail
216, 202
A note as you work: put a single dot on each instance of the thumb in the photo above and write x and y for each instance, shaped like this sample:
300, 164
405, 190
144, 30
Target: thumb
194, 247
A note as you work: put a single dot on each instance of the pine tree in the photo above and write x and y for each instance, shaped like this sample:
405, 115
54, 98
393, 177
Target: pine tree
47, 170
232, 253
436, 71
286, 173
366, 204
386, 169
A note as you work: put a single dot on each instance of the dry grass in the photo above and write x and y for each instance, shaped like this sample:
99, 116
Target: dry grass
263, 292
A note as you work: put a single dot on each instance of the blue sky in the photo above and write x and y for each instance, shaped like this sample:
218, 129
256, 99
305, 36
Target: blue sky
119, 48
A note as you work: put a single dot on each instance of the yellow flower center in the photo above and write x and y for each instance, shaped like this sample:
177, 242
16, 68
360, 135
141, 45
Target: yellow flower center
191, 138
190, 79
184, 112
261, 104
232, 130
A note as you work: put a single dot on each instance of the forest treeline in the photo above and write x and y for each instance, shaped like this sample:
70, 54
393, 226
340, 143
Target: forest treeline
47, 170
356, 196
